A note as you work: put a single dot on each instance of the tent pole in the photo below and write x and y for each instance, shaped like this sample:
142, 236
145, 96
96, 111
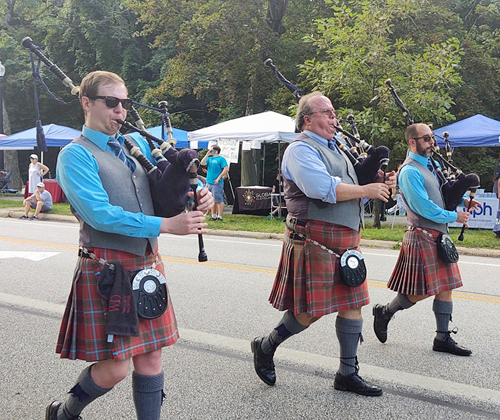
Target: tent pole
263, 162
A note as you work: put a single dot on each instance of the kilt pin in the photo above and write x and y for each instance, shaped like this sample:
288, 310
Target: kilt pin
308, 277
83, 329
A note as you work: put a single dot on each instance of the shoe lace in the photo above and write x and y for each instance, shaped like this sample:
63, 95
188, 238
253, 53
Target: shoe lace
448, 334
355, 365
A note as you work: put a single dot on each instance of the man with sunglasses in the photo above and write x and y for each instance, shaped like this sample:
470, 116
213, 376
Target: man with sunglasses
419, 271
109, 194
325, 210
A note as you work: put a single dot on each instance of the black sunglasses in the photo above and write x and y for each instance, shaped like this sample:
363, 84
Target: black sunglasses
426, 138
112, 102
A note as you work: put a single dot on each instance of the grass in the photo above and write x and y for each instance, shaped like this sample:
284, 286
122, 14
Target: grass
473, 238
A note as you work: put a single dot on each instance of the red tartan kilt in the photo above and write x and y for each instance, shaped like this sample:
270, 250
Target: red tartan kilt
419, 270
308, 278
83, 328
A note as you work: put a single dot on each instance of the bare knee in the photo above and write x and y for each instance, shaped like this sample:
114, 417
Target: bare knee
107, 373
148, 363
305, 319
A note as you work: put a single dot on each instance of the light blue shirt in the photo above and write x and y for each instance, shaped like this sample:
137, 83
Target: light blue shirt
303, 165
411, 183
77, 173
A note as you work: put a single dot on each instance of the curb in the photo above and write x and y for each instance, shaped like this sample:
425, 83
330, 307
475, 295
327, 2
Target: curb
365, 243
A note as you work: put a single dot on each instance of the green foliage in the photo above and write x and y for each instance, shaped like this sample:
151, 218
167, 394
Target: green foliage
205, 57
361, 45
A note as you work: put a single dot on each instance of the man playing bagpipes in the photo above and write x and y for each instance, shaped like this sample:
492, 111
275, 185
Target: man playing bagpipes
119, 308
427, 260
321, 270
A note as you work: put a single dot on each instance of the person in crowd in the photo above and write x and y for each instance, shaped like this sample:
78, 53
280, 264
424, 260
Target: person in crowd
217, 169
36, 172
420, 272
104, 323
496, 191
41, 201
324, 202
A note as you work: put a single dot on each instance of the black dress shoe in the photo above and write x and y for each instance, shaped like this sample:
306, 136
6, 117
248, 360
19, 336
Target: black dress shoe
263, 362
52, 409
354, 383
381, 318
448, 345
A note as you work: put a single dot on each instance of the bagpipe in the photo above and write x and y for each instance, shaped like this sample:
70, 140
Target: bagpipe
175, 172
366, 159
454, 183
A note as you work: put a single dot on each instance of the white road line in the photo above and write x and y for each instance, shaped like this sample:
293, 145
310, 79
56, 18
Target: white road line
398, 378
28, 255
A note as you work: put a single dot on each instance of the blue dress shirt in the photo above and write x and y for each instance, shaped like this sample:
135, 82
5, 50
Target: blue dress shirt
77, 173
303, 165
411, 183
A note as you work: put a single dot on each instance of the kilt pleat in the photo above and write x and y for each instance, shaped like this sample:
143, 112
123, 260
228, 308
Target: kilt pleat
308, 277
419, 270
83, 328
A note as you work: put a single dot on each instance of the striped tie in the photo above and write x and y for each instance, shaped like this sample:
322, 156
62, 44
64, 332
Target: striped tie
118, 151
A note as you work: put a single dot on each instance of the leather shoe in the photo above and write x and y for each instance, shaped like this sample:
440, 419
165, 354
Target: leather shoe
52, 409
381, 318
354, 383
263, 362
448, 345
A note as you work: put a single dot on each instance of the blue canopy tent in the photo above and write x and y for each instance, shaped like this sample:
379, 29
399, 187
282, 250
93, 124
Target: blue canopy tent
60, 136
476, 131
55, 136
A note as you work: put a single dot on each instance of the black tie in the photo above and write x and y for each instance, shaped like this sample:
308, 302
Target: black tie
118, 151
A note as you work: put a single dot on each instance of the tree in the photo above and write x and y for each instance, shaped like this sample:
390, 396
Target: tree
358, 50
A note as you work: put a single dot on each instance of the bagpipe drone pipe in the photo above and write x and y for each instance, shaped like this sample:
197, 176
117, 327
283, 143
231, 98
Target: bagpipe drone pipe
366, 159
170, 177
454, 183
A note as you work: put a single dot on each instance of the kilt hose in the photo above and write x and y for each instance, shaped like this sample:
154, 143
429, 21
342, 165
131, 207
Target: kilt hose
83, 328
419, 270
308, 278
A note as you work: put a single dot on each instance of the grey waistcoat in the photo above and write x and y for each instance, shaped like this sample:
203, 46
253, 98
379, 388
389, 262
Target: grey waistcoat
346, 213
431, 185
129, 190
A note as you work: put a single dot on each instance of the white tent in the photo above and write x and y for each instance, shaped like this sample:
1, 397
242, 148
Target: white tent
266, 127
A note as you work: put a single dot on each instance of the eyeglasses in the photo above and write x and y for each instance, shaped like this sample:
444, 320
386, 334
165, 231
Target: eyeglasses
426, 138
327, 112
112, 102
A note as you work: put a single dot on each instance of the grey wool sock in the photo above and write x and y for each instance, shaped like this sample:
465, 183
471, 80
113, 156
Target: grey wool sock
349, 334
399, 303
82, 394
287, 327
442, 312
148, 395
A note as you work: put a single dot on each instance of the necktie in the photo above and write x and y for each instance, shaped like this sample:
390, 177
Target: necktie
332, 145
118, 151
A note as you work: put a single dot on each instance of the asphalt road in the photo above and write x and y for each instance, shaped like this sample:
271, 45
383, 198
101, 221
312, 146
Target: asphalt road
221, 305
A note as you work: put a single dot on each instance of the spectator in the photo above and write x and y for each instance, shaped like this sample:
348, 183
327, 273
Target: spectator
36, 172
217, 171
41, 201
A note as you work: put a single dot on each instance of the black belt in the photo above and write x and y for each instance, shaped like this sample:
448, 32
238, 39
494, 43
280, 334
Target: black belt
298, 222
